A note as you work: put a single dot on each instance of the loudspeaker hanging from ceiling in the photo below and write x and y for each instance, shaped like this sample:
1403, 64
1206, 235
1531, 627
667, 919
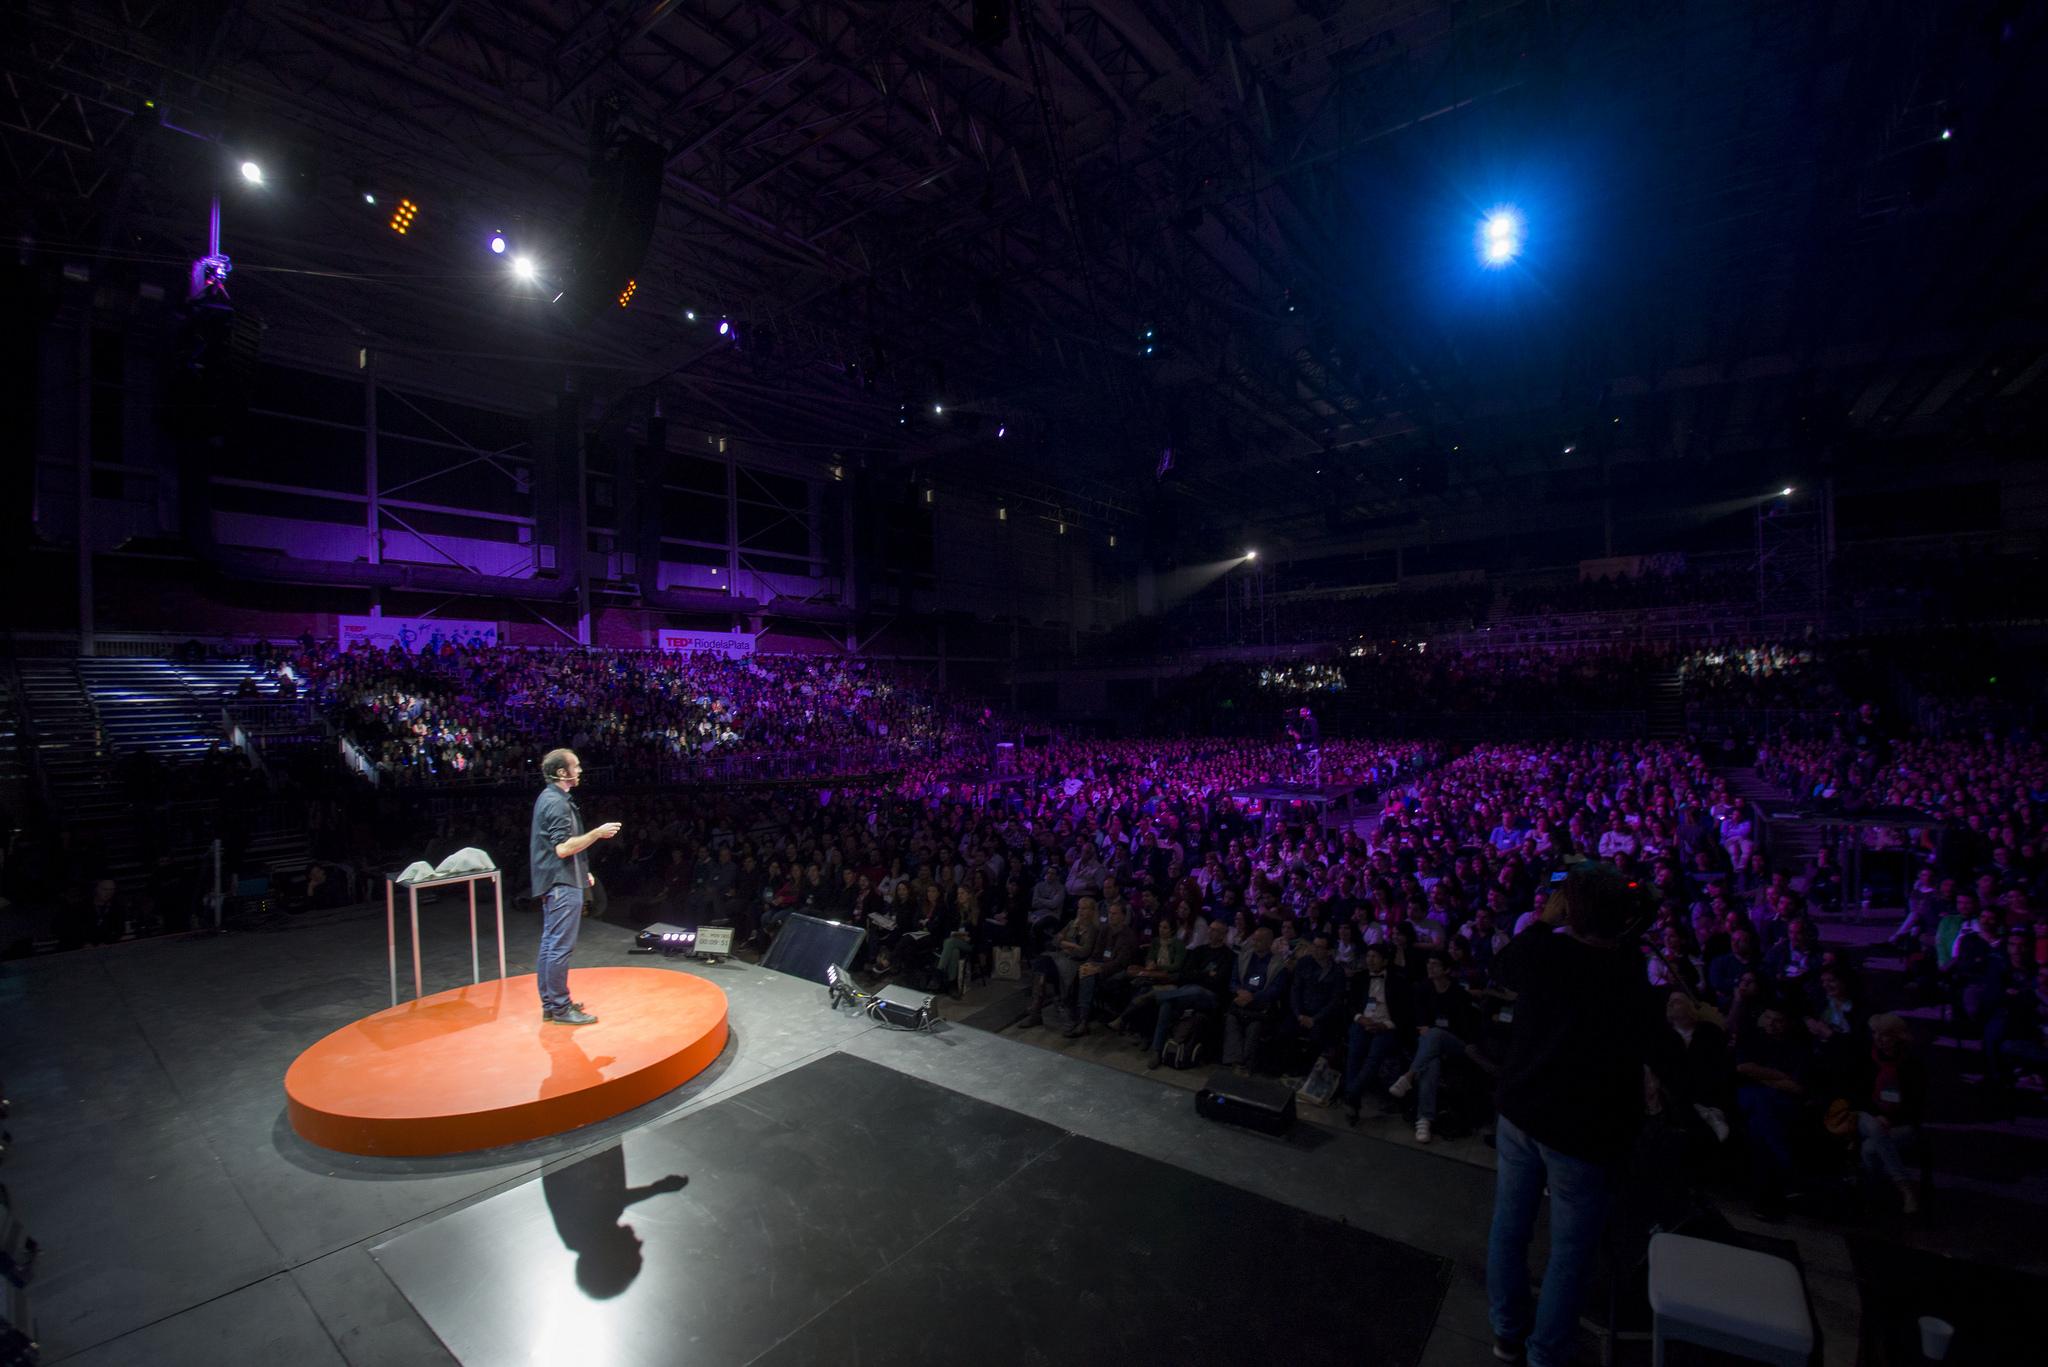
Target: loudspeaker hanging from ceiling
617, 223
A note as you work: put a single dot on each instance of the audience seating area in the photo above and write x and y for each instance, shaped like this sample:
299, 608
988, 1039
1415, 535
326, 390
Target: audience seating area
482, 715
1223, 926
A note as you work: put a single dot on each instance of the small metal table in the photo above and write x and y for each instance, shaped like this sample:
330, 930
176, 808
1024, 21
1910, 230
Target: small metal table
391, 886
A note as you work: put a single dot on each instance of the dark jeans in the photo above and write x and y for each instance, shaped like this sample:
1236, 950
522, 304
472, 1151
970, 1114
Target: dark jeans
561, 917
1371, 1055
1088, 984
1244, 1029
1435, 1046
1172, 1003
1579, 1195
1769, 1116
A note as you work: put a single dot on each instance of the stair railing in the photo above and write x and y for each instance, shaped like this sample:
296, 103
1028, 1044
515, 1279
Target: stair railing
29, 737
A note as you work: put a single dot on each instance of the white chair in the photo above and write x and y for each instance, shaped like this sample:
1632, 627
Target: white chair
1729, 1299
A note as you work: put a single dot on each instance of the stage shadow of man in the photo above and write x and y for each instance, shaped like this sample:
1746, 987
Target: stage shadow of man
586, 1200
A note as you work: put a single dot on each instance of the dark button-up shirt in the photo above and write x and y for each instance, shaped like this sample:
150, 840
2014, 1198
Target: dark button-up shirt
555, 822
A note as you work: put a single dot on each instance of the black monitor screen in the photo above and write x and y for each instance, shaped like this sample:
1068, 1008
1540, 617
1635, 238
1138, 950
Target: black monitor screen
807, 944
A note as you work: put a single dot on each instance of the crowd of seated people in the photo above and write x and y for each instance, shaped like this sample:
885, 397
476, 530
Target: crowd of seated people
477, 713
1760, 676
1992, 778
926, 857
1138, 888
1373, 955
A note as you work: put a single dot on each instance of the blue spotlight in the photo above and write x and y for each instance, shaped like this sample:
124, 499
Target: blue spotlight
1501, 236
497, 244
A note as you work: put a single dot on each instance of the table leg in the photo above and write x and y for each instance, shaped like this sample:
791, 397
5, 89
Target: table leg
476, 973
419, 988
391, 937
498, 888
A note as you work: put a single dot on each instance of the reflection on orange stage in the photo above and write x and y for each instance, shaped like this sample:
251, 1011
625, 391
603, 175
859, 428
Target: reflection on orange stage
476, 1067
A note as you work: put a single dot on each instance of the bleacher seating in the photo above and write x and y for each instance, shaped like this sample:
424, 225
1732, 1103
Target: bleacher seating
162, 707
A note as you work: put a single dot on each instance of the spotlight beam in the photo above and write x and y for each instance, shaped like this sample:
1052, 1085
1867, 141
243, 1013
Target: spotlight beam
1502, 234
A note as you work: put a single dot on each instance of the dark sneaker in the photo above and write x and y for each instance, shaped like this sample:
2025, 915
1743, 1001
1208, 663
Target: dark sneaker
573, 1017
546, 1014
1507, 1350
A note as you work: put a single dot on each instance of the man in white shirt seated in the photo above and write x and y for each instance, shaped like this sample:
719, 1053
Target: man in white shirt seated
1617, 838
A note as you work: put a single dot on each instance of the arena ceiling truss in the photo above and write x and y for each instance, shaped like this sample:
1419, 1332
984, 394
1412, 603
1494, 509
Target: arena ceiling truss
1127, 227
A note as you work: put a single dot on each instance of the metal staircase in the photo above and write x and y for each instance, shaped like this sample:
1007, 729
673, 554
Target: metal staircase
70, 748
161, 707
91, 714
14, 769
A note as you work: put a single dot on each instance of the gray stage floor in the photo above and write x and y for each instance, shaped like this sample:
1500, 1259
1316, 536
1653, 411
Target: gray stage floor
183, 1221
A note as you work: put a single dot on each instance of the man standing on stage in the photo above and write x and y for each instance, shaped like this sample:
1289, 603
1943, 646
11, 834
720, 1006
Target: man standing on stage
1308, 744
561, 875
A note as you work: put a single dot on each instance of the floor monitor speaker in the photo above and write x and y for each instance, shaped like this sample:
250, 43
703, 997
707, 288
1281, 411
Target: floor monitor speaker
1251, 1102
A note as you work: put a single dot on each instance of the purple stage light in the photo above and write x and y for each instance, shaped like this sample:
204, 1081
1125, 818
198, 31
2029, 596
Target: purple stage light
724, 327
1000, 430
497, 244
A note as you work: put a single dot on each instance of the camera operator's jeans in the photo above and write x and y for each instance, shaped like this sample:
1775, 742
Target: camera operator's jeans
1579, 1196
561, 917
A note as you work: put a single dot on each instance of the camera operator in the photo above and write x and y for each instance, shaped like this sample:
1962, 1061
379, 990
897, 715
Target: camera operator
1571, 1096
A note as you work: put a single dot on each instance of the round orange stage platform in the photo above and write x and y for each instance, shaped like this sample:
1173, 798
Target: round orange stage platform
476, 1067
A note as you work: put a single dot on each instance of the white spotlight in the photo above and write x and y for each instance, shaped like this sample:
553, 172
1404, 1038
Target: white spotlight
1785, 492
252, 173
1501, 234
1251, 555
522, 266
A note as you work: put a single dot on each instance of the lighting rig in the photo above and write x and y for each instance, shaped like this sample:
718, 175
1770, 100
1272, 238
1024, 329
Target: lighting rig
902, 1007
